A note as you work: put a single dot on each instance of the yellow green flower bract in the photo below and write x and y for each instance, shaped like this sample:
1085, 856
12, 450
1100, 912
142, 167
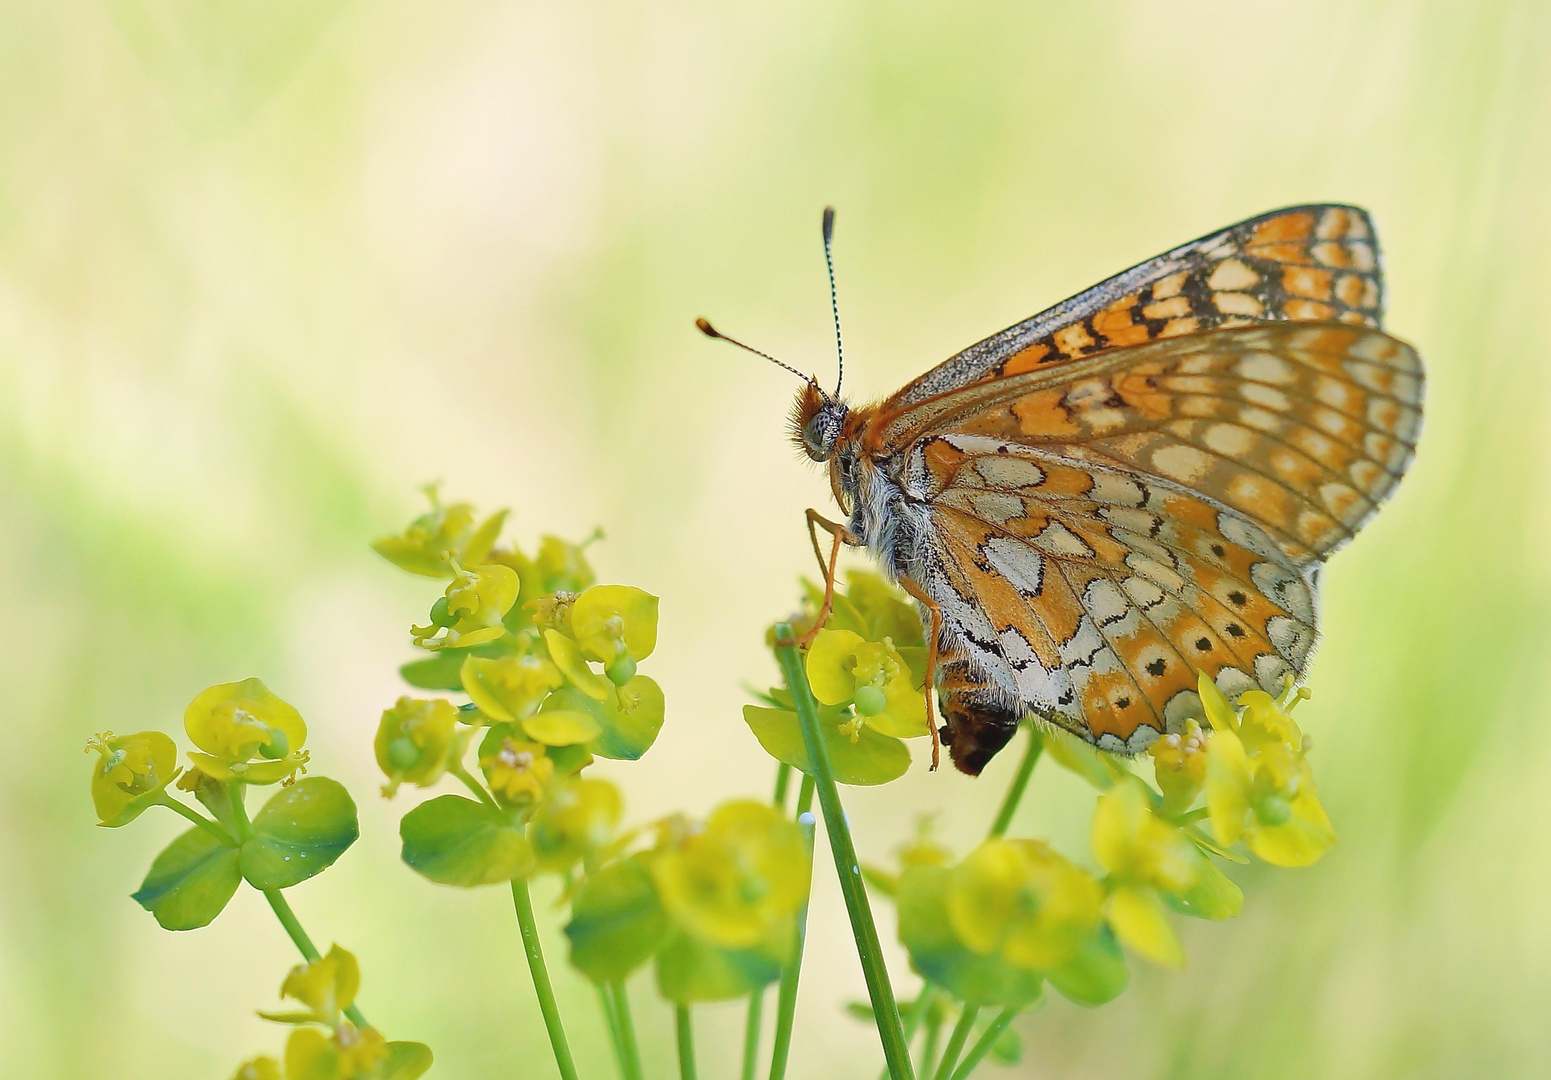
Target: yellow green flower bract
235, 723
131, 774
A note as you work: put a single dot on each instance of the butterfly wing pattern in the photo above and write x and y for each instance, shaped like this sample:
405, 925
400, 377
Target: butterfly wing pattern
1141, 482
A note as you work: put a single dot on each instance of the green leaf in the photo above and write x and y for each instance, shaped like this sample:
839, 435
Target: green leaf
456, 841
1008, 1047
299, 833
872, 759
1098, 973
406, 1061
689, 970
443, 671
939, 956
1213, 896
190, 881
617, 923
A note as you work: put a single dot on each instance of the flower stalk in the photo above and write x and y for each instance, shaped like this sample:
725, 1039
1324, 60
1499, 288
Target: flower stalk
983, 1044
956, 1041
523, 903
786, 997
686, 1040
1020, 783
885, 1010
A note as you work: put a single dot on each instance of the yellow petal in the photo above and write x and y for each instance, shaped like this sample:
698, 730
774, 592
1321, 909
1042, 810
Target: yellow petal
607, 616
1140, 922
831, 665
561, 727
1218, 711
1228, 778
567, 656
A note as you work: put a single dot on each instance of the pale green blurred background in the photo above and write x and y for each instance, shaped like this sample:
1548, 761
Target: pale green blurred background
265, 267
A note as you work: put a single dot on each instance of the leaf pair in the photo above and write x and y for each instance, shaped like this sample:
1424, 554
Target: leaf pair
300, 832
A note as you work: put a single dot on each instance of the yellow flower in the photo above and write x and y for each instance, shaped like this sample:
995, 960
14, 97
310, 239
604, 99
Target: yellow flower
131, 774
1144, 856
413, 741
326, 986
1180, 765
1259, 786
262, 1067
567, 656
737, 880
1268, 799
350, 1054
509, 688
1022, 901
471, 611
1263, 721
616, 626
872, 677
576, 819
518, 772
438, 538
233, 723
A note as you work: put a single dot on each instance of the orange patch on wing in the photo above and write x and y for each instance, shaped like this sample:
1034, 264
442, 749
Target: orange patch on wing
1308, 281
1041, 413
1282, 228
1113, 705
1026, 360
1282, 253
1308, 310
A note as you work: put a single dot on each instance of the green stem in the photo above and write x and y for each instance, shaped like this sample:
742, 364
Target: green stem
786, 997
546, 994
956, 1041
890, 1031
211, 827
783, 781
626, 1031
303, 943
607, 1005
929, 1047
686, 1035
237, 791
755, 1017
918, 1012
983, 1044
473, 785
1020, 782
751, 1025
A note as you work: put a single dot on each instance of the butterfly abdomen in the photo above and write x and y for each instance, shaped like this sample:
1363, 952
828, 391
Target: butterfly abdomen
979, 721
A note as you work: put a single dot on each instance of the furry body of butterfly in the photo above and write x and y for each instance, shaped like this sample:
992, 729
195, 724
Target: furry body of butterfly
1137, 484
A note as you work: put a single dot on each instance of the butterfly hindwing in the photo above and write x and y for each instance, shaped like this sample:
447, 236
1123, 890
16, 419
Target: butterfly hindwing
1102, 530
1094, 597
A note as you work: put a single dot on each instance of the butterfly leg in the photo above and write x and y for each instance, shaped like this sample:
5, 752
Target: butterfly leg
935, 611
842, 535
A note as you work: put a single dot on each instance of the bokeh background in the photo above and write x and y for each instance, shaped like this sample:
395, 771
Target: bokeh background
265, 268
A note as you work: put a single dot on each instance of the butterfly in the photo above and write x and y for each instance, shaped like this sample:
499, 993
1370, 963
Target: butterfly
1137, 484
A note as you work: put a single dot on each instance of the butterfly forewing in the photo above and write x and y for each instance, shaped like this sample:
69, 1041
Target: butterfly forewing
1305, 263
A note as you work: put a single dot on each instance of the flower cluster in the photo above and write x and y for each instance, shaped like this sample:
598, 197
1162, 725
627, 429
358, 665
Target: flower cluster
325, 1044
547, 659
246, 736
866, 667
713, 902
1014, 914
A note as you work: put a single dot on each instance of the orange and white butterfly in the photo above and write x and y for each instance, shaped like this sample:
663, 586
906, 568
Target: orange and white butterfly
1136, 484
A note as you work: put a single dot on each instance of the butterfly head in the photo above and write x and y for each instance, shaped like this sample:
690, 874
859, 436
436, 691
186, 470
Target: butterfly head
817, 420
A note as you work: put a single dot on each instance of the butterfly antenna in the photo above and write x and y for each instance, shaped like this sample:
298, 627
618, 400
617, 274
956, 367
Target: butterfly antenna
834, 299
705, 327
